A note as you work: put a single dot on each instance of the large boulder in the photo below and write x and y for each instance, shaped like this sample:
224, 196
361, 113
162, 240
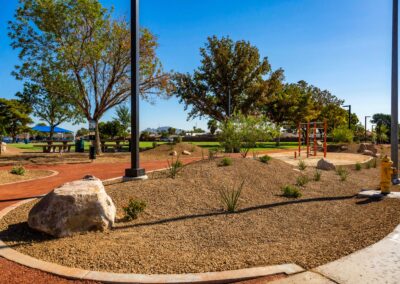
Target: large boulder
369, 153
367, 147
3, 146
325, 165
75, 207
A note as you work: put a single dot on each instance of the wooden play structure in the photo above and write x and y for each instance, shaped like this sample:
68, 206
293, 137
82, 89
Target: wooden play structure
312, 143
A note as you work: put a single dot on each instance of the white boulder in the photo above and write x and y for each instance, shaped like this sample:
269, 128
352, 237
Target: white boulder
325, 165
3, 146
186, 152
75, 207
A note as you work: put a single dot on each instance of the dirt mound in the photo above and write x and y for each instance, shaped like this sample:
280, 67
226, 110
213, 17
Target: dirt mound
164, 150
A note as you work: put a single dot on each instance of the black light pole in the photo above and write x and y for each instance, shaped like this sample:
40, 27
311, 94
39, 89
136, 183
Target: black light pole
135, 172
395, 88
349, 107
366, 127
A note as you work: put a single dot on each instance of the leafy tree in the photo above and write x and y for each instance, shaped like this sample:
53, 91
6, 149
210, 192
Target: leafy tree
124, 117
83, 41
82, 132
110, 129
381, 119
171, 131
382, 133
228, 69
343, 134
14, 117
48, 106
212, 125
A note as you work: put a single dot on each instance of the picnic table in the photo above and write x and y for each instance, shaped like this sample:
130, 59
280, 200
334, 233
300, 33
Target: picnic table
49, 147
118, 144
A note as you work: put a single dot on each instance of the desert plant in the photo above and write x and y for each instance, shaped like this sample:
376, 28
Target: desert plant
212, 154
255, 154
18, 170
133, 209
178, 139
368, 165
343, 134
265, 159
374, 163
291, 191
302, 180
226, 161
343, 173
358, 167
174, 167
230, 197
302, 165
317, 175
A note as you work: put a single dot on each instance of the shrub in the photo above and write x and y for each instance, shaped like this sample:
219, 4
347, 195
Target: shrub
374, 163
343, 173
291, 191
174, 167
212, 154
19, 171
317, 175
230, 197
133, 209
225, 162
343, 134
368, 165
154, 144
301, 180
358, 167
265, 159
178, 139
302, 165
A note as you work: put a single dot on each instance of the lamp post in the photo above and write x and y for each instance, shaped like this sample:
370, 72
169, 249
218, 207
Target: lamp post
135, 172
349, 107
366, 127
395, 88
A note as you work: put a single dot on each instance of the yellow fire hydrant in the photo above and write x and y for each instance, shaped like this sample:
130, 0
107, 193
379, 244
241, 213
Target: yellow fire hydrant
386, 175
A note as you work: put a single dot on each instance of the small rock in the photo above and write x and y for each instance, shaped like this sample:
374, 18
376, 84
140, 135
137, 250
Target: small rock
369, 153
75, 207
3, 146
184, 152
173, 153
344, 148
325, 165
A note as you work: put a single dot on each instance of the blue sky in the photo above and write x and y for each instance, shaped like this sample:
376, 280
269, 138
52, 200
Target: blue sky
340, 45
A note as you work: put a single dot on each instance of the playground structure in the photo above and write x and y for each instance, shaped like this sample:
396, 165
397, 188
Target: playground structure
310, 141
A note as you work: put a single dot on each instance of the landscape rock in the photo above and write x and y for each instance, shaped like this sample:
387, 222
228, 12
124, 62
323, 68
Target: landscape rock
184, 152
325, 165
369, 153
74, 207
370, 147
3, 146
173, 153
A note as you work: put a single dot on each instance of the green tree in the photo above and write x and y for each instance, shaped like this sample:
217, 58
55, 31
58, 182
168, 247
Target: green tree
212, 125
124, 117
83, 41
381, 119
171, 131
228, 69
111, 129
14, 117
82, 132
48, 106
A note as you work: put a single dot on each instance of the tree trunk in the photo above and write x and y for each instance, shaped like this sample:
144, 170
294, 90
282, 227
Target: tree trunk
51, 132
97, 139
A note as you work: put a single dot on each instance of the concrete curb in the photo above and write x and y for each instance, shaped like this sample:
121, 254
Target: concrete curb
53, 173
109, 277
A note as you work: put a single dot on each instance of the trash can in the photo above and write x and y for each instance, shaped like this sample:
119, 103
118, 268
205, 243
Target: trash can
79, 146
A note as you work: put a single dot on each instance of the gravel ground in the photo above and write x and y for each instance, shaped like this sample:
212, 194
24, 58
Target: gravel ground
7, 177
184, 228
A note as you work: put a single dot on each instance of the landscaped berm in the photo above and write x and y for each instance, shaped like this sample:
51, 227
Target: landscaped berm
185, 226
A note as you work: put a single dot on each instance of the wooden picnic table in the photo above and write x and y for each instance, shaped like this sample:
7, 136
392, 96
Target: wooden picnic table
118, 146
50, 147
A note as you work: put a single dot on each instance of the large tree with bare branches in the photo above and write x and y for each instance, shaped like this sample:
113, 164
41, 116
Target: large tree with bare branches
82, 40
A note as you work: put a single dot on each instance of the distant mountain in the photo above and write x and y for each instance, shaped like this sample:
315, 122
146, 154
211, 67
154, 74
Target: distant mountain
161, 129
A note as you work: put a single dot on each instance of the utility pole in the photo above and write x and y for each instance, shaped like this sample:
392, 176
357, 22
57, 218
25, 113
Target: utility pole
349, 107
395, 88
135, 172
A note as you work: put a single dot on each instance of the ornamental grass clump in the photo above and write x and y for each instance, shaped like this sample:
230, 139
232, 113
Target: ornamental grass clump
133, 209
358, 167
302, 180
230, 197
343, 173
302, 165
225, 162
291, 191
19, 171
174, 167
265, 159
317, 175
368, 165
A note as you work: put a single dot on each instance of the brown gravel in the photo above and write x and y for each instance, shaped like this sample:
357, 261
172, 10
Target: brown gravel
7, 177
185, 230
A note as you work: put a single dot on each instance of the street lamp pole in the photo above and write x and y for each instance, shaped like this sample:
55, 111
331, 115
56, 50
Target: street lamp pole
366, 127
135, 172
395, 114
349, 107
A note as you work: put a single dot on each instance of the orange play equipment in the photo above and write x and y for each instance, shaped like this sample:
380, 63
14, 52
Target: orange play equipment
311, 141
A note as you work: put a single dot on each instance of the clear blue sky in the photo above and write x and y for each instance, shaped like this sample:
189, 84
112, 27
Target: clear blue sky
340, 45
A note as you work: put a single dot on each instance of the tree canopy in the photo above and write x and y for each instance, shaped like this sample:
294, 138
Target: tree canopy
14, 117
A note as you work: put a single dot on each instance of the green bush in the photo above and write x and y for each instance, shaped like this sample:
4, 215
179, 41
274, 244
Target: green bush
343, 173
358, 167
291, 191
225, 162
212, 154
343, 134
19, 171
317, 175
230, 197
154, 144
302, 165
133, 209
302, 180
178, 139
265, 159
174, 167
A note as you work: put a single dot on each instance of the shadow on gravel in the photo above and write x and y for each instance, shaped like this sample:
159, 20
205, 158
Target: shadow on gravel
22, 234
240, 211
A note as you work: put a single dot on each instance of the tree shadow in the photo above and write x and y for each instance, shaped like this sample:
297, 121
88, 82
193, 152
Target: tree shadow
240, 211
